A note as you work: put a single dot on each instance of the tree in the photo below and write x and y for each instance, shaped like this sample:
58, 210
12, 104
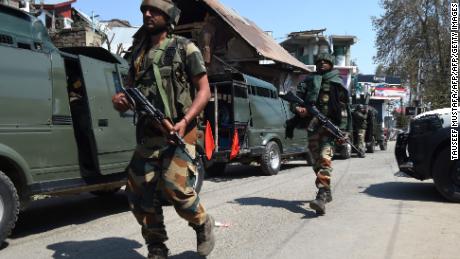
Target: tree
413, 30
380, 71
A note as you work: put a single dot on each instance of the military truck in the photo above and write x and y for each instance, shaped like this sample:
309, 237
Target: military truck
248, 110
375, 135
48, 146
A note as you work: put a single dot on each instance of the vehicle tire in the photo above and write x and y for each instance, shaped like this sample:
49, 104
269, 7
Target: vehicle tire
9, 206
371, 146
383, 145
106, 193
216, 169
446, 176
271, 159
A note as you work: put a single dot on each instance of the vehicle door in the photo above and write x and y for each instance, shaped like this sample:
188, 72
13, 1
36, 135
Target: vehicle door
241, 111
114, 132
299, 141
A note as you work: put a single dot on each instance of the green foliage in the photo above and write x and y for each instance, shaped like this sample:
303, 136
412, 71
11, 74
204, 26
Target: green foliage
413, 30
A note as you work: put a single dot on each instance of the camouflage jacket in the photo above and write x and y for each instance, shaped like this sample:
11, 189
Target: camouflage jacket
330, 96
180, 62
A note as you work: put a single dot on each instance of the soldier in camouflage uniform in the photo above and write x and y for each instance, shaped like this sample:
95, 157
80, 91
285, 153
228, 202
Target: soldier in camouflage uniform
325, 90
360, 124
167, 69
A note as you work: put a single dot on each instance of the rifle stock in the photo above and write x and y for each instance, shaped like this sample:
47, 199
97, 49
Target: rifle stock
323, 120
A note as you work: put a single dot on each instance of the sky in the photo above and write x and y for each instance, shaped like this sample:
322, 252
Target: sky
339, 17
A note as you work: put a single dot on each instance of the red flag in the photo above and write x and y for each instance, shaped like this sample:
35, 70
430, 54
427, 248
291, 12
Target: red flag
235, 145
209, 141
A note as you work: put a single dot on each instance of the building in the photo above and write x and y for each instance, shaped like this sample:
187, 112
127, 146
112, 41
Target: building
386, 94
24, 5
70, 27
305, 45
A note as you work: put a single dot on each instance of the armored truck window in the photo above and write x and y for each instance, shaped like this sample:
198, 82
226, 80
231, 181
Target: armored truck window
6, 39
240, 91
22, 45
263, 92
116, 82
253, 90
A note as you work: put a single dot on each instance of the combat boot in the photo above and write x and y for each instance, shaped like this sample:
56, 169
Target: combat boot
322, 197
158, 251
205, 236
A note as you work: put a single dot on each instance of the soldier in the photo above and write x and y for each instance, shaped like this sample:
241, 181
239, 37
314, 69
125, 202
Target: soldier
325, 90
360, 125
167, 68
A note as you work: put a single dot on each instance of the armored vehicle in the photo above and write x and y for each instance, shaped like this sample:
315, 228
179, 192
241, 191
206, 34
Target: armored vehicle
59, 133
248, 111
424, 152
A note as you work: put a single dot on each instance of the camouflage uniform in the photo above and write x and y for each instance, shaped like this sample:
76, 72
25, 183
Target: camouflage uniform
360, 125
320, 90
320, 142
158, 169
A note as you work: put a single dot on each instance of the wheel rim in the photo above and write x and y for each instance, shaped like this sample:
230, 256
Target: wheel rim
2, 208
274, 158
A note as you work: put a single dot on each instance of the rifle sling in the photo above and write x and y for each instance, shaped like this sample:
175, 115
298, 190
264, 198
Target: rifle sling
156, 70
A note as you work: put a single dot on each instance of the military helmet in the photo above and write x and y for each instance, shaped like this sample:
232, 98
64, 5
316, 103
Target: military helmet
166, 6
359, 107
326, 57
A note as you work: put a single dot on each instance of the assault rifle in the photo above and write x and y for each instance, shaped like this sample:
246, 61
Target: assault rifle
323, 120
142, 105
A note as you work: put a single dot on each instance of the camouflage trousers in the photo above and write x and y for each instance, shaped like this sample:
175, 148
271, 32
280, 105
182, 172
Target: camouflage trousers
321, 146
157, 171
361, 139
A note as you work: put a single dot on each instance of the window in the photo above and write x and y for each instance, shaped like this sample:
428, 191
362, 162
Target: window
6, 39
263, 92
253, 90
23, 45
117, 83
240, 92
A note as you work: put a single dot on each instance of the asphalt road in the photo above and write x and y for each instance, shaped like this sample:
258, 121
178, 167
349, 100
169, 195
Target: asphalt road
375, 214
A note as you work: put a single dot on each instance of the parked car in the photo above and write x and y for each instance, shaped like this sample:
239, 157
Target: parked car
424, 152
48, 145
251, 109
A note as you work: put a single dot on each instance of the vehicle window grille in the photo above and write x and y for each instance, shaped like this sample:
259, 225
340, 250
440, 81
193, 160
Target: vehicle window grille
6, 39
22, 45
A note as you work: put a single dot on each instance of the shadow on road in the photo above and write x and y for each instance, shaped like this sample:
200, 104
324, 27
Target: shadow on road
237, 171
53, 213
405, 191
187, 255
292, 206
113, 248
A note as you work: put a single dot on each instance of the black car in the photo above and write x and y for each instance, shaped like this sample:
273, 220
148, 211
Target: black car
424, 153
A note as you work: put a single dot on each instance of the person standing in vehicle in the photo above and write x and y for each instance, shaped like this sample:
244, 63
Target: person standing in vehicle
325, 90
167, 68
360, 125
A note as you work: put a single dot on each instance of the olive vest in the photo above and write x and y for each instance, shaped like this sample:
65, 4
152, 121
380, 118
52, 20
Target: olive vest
175, 94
